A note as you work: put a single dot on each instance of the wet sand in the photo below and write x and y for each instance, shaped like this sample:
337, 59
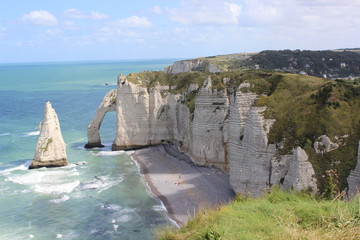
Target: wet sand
183, 187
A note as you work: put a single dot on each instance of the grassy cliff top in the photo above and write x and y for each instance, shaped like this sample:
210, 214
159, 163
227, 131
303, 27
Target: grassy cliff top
277, 215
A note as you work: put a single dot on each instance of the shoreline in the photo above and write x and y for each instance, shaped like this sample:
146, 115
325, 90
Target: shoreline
183, 187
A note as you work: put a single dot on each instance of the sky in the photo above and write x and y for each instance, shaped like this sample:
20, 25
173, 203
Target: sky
72, 30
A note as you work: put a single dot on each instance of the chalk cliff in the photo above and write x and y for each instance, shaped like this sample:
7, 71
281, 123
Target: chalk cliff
192, 65
224, 129
354, 178
50, 148
108, 104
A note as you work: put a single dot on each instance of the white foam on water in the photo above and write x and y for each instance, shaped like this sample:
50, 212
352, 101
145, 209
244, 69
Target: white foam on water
109, 153
100, 183
34, 133
56, 189
131, 152
60, 200
107, 182
159, 208
24, 166
115, 227
124, 218
31, 236
48, 181
113, 207
58, 235
4, 134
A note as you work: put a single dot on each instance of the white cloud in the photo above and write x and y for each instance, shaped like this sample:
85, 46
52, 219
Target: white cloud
263, 13
156, 10
134, 22
77, 14
193, 12
40, 17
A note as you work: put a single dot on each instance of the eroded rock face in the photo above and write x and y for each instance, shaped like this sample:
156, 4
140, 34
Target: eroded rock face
250, 169
108, 104
301, 175
132, 116
144, 116
50, 148
209, 128
226, 130
354, 178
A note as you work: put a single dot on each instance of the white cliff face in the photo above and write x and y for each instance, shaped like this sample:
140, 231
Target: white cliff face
144, 116
162, 110
301, 175
132, 116
250, 169
192, 65
240, 104
50, 149
354, 178
108, 104
225, 130
208, 134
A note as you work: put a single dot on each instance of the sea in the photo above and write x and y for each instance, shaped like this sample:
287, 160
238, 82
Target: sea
100, 194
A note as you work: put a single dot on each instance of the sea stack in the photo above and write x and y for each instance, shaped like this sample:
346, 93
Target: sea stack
50, 148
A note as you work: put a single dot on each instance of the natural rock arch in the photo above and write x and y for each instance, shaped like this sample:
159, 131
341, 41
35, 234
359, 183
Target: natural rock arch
108, 104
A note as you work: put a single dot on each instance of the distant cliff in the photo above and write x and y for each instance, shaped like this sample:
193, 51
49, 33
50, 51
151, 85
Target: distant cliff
265, 128
325, 64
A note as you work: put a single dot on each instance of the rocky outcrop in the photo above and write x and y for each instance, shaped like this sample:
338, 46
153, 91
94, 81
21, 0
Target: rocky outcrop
324, 145
192, 65
354, 178
300, 175
108, 104
50, 148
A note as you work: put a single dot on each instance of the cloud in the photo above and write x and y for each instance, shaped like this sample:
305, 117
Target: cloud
40, 17
134, 22
193, 12
77, 14
156, 10
263, 13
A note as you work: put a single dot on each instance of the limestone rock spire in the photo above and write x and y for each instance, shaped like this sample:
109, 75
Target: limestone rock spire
50, 148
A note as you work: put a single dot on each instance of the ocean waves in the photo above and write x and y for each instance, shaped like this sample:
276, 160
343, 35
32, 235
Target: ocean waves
59, 182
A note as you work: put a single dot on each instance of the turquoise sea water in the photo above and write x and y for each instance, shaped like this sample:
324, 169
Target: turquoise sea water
103, 199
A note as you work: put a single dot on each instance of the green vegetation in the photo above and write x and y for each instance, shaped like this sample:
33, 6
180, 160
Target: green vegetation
335, 64
307, 107
277, 215
50, 140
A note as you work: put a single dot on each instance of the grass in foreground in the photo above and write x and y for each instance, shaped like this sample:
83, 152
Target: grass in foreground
277, 215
